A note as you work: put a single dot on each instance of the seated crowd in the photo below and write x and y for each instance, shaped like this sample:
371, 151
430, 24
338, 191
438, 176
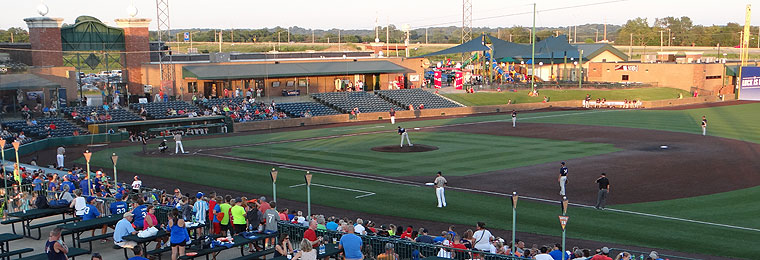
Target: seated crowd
243, 109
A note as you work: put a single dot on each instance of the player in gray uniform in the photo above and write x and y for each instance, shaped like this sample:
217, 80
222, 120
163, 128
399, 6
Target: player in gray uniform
562, 179
704, 125
514, 118
403, 134
440, 183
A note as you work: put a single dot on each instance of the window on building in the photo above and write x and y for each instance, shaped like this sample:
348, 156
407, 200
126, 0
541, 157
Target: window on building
192, 87
713, 77
625, 77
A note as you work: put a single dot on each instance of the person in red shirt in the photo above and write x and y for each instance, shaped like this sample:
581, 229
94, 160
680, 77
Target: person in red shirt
311, 234
52, 126
457, 243
407, 234
284, 214
603, 255
263, 205
211, 214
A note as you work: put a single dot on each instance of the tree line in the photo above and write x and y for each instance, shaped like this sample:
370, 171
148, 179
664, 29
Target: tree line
680, 31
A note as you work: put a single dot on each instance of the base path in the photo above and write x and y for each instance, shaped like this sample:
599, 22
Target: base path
693, 165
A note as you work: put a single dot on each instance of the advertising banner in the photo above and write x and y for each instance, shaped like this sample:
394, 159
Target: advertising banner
458, 80
437, 79
750, 84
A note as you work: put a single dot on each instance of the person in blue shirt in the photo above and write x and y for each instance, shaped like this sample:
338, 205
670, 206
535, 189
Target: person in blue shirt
331, 225
138, 254
83, 185
351, 244
68, 183
139, 212
37, 183
557, 252
119, 206
90, 211
124, 228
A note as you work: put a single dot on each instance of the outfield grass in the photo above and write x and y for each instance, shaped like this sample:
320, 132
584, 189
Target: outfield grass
496, 98
733, 208
353, 153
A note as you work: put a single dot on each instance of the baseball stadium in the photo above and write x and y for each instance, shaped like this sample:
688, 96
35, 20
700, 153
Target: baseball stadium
551, 149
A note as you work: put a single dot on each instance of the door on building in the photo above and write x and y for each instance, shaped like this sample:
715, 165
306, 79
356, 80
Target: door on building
208, 89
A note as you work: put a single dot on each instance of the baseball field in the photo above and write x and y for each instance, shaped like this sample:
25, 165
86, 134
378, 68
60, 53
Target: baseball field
698, 196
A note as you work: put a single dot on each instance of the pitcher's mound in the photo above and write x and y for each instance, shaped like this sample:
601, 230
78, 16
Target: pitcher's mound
406, 149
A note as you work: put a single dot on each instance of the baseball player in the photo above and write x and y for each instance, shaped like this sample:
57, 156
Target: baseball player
403, 134
178, 143
393, 116
514, 118
704, 125
439, 183
562, 179
59, 156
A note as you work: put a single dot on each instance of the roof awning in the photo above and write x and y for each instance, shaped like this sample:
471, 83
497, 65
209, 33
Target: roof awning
25, 81
282, 70
476, 44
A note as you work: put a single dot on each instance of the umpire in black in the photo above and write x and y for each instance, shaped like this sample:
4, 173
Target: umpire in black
604, 190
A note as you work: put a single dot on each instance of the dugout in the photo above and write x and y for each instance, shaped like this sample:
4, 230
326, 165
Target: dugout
189, 125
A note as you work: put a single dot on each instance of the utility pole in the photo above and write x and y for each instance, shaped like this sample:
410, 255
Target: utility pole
669, 37
388, 39
232, 35
338, 39
220, 40
426, 35
278, 41
466, 20
661, 31
605, 31
312, 35
288, 34
510, 37
630, 47
575, 37
597, 35
569, 33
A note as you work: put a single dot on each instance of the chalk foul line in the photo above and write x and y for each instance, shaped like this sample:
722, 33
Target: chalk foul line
364, 193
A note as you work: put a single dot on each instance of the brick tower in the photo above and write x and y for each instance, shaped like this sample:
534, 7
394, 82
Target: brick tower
45, 36
137, 47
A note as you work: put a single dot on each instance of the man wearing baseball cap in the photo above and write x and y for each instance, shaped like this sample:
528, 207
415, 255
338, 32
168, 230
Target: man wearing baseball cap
603, 254
124, 228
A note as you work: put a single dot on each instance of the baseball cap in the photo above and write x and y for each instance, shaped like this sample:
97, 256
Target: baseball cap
128, 214
199, 195
605, 250
118, 196
137, 177
90, 198
563, 163
653, 255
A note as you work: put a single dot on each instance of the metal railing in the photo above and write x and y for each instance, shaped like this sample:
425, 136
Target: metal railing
644, 255
404, 248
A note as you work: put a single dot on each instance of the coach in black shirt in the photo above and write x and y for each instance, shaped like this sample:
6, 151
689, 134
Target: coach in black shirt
604, 189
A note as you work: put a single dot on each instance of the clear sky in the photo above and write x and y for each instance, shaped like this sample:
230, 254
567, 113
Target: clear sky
352, 14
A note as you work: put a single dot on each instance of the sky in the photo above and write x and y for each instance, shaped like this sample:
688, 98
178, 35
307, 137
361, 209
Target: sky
352, 14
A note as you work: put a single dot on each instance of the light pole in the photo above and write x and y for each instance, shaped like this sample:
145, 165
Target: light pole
114, 158
16, 168
407, 27
87, 154
273, 174
563, 222
580, 70
514, 220
308, 192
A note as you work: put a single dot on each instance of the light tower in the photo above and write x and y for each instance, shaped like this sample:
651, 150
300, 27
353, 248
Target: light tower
466, 20
164, 57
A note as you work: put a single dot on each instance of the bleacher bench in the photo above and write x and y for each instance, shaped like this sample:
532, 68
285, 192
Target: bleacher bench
12, 222
73, 253
204, 252
7, 255
158, 252
256, 255
47, 224
89, 240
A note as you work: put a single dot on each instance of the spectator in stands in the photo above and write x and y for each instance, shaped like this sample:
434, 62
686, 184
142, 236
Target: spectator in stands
482, 237
424, 238
138, 251
136, 184
557, 252
654, 255
79, 204
306, 252
311, 235
544, 255
55, 248
178, 235
238, 217
604, 254
623, 256
124, 228
351, 244
139, 212
225, 210
359, 227
284, 247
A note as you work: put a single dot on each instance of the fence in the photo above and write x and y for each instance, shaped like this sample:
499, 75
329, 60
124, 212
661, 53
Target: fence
645, 255
404, 248
564, 85
68, 140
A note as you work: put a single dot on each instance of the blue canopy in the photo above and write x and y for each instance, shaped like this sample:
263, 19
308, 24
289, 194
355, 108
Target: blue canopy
476, 44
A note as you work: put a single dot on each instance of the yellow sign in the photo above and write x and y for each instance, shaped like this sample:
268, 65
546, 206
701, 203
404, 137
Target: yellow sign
308, 178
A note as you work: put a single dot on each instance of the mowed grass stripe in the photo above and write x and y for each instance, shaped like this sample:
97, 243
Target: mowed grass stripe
480, 153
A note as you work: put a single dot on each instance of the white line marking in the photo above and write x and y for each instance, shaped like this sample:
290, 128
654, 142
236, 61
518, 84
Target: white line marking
414, 184
366, 193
